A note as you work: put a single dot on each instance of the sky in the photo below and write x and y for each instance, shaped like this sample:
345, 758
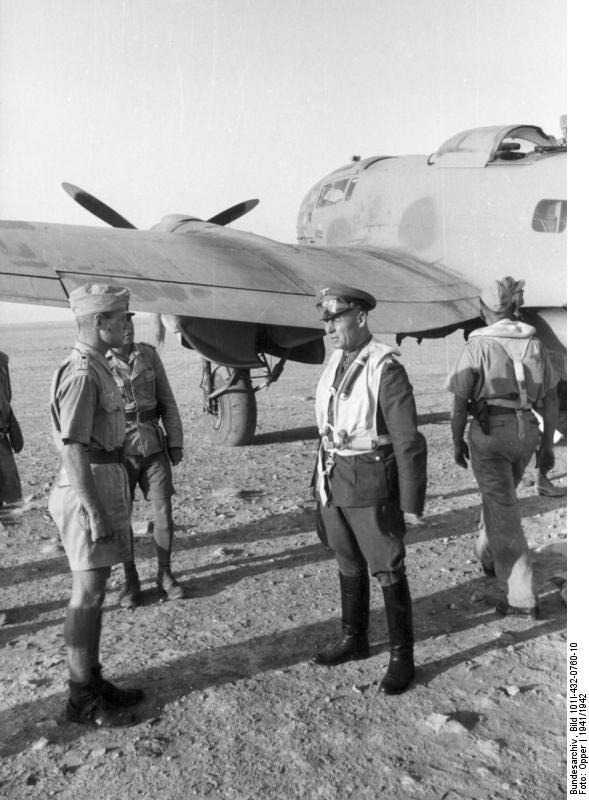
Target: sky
190, 106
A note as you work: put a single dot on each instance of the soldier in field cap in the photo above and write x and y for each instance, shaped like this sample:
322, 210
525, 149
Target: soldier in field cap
89, 500
371, 468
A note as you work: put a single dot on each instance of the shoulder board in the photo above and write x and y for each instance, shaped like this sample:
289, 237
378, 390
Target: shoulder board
80, 361
146, 344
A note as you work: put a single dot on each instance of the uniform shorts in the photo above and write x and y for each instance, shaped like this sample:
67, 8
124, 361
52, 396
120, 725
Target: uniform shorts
153, 475
71, 518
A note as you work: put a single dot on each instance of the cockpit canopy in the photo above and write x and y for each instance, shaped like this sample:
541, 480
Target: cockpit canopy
479, 147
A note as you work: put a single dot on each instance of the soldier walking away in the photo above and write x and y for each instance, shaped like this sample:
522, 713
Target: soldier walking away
90, 500
11, 439
502, 374
371, 467
153, 442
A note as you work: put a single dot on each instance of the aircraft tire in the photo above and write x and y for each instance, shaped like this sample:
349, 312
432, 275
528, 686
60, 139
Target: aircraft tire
234, 422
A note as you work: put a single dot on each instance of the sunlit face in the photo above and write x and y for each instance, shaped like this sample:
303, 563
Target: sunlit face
112, 328
347, 331
129, 333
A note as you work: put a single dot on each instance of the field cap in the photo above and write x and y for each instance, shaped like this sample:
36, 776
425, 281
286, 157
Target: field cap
92, 298
501, 295
338, 298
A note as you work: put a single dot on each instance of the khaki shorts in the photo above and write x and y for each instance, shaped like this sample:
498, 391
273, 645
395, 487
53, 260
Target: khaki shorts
71, 518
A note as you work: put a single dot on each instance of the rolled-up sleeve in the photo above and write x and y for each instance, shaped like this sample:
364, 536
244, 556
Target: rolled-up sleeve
76, 401
397, 405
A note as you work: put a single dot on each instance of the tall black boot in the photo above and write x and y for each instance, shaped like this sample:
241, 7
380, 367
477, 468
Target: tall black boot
353, 646
397, 604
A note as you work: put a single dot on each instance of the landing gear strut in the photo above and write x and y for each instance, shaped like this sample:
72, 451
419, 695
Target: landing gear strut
230, 400
229, 404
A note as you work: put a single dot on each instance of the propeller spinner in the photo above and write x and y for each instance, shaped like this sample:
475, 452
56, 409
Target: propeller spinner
111, 217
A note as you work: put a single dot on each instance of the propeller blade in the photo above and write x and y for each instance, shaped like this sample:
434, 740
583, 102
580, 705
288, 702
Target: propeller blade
97, 207
233, 213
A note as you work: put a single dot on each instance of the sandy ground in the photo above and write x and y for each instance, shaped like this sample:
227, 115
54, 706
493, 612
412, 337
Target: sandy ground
234, 709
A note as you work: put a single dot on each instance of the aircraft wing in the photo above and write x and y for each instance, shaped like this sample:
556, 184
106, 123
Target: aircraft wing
218, 273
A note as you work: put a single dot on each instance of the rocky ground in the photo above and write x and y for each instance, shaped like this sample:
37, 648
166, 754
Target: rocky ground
234, 710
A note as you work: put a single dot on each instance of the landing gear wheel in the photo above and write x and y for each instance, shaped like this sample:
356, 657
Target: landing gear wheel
232, 416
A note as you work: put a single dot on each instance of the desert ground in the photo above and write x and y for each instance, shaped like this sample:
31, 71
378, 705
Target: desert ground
234, 710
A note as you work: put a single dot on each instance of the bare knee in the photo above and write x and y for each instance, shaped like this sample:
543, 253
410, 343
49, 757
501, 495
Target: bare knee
89, 588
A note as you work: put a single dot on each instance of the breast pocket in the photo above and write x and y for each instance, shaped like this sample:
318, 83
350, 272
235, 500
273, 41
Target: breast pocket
144, 384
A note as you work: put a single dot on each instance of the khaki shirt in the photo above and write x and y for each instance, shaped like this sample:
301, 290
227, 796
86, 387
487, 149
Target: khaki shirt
86, 405
87, 408
484, 370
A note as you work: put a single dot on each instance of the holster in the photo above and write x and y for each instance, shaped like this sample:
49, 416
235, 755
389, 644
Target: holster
480, 411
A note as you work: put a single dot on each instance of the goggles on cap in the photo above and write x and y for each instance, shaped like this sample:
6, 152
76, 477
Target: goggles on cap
333, 307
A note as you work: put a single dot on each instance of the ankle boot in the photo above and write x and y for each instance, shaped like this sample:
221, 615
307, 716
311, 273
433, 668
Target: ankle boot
397, 603
130, 597
353, 646
87, 707
167, 584
115, 697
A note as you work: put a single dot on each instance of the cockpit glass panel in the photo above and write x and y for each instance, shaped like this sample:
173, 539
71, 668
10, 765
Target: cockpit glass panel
333, 193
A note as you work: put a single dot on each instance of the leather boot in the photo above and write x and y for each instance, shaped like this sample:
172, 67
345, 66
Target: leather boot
167, 584
115, 697
87, 707
130, 597
353, 646
397, 603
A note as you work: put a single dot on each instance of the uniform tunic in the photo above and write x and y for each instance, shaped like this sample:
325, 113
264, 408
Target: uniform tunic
485, 371
10, 488
87, 408
369, 492
144, 385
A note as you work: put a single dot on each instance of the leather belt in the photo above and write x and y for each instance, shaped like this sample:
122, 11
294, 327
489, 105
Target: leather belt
106, 457
502, 410
150, 415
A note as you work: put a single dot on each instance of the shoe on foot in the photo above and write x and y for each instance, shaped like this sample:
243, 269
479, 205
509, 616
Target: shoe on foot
351, 647
95, 712
399, 675
545, 487
167, 584
505, 610
115, 697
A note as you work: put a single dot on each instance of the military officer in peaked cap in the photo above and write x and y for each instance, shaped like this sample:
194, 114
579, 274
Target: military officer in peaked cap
371, 468
90, 500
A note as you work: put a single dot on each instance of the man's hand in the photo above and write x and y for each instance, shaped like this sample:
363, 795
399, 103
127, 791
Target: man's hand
176, 455
461, 453
100, 527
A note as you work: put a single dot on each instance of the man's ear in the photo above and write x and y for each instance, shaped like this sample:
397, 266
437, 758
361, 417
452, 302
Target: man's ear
98, 321
362, 319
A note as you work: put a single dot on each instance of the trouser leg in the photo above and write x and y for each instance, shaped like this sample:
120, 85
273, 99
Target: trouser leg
498, 464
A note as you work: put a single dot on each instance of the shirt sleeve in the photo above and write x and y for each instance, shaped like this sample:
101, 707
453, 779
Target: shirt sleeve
397, 406
77, 400
167, 405
464, 375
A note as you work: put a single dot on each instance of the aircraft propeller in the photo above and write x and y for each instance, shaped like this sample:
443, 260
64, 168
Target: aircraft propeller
111, 217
